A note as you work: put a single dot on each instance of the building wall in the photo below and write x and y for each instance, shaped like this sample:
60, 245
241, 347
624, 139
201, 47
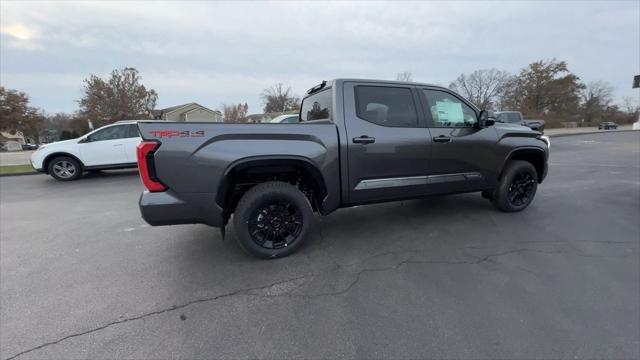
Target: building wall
200, 115
6, 136
193, 113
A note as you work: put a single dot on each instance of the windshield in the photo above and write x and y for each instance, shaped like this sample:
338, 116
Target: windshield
286, 119
316, 107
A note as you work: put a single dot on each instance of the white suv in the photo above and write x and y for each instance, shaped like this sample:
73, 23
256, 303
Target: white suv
109, 147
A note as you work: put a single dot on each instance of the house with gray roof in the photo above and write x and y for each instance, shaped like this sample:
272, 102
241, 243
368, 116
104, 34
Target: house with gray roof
191, 112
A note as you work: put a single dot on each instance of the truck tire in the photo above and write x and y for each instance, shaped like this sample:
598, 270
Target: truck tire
271, 220
517, 187
65, 168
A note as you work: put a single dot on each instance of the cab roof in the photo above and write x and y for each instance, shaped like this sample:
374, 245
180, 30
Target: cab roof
330, 83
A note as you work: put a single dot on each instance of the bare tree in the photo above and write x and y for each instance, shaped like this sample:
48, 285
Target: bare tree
235, 113
482, 87
404, 76
596, 97
121, 96
279, 99
631, 105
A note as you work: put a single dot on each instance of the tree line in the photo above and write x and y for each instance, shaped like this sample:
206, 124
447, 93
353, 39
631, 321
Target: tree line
119, 96
544, 89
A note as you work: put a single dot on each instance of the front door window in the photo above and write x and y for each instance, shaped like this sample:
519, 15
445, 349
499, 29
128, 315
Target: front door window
448, 111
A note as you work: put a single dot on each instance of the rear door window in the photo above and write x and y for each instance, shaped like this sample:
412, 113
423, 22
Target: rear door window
386, 106
133, 131
513, 118
111, 133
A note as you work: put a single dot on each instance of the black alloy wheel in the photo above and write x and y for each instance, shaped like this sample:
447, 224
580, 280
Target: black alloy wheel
521, 189
517, 186
275, 224
272, 219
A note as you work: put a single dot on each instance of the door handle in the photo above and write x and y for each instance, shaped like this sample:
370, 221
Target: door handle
364, 139
442, 139
117, 144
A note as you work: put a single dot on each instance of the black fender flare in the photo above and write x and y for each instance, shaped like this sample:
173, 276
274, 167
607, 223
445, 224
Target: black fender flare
250, 161
527, 150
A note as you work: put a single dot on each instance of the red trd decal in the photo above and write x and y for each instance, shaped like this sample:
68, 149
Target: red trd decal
176, 133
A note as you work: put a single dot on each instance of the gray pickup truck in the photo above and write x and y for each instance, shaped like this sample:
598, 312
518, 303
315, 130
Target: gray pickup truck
515, 117
357, 142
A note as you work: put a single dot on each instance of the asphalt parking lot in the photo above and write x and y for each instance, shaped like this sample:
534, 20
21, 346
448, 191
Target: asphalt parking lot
82, 276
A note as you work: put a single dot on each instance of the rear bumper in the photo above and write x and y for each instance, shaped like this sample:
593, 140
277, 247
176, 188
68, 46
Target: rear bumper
167, 208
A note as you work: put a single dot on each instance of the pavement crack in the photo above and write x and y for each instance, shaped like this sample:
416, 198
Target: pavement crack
152, 313
358, 275
411, 261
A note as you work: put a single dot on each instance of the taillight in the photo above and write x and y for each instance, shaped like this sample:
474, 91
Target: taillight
146, 166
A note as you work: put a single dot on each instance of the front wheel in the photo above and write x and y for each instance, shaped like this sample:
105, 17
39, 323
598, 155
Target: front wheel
65, 168
272, 219
517, 186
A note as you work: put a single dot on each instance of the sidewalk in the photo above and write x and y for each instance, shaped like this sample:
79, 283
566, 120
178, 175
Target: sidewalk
15, 157
580, 130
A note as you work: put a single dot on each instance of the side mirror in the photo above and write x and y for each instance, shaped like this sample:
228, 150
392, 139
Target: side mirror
84, 140
484, 120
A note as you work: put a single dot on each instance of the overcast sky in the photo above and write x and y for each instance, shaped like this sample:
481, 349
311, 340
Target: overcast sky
214, 53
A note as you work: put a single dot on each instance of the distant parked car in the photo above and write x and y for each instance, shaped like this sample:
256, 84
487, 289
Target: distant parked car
636, 125
109, 147
607, 125
286, 119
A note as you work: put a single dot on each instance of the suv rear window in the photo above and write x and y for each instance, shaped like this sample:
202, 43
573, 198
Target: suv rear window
317, 107
386, 106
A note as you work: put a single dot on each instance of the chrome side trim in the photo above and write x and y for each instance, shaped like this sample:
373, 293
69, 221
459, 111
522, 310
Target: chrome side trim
415, 180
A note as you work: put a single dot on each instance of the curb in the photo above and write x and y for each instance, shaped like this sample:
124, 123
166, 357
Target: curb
590, 132
20, 174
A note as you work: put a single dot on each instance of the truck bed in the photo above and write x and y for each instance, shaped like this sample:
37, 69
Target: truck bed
194, 158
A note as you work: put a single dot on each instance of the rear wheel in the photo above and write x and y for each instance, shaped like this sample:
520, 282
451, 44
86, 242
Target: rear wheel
517, 187
272, 219
65, 168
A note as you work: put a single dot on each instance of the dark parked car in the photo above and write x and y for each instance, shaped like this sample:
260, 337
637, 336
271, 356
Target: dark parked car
29, 147
607, 125
358, 142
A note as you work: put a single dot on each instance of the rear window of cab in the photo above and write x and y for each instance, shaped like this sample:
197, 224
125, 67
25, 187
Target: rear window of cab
317, 106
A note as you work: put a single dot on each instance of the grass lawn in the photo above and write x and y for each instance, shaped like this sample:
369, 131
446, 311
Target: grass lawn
15, 169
